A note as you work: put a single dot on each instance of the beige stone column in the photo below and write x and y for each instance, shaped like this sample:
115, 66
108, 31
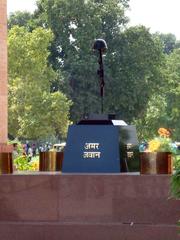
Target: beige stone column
3, 73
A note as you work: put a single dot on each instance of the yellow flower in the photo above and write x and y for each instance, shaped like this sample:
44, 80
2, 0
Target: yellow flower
153, 145
163, 143
35, 166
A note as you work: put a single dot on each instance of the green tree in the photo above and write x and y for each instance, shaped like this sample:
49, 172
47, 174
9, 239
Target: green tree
75, 25
154, 117
34, 111
163, 107
134, 72
21, 19
173, 92
168, 41
132, 62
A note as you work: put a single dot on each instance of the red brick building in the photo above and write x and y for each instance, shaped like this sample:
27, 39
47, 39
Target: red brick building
3, 73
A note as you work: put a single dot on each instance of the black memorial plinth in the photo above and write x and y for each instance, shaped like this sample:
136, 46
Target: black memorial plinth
101, 146
129, 149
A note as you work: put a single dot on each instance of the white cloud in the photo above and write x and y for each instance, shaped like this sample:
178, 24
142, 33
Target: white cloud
21, 5
158, 15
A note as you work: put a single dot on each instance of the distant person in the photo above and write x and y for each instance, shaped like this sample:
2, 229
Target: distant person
34, 150
15, 151
30, 154
41, 149
27, 146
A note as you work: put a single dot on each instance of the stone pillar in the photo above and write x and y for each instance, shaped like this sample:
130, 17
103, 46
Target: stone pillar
3, 73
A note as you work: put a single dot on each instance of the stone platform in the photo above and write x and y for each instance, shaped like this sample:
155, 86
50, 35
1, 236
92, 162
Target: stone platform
53, 206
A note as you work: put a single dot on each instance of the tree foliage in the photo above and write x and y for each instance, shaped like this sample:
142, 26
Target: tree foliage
163, 107
168, 41
141, 69
34, 111
75, 25
135, 72
21, 19
173, 91
131, 63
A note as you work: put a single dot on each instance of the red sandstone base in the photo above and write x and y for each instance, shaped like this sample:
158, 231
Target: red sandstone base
87, 207
86, 231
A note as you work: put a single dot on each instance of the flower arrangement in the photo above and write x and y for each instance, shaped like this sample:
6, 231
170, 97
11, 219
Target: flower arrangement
22, 164
162, 143
156, 156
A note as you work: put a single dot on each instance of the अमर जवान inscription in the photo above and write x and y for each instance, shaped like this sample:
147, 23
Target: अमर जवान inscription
91, 154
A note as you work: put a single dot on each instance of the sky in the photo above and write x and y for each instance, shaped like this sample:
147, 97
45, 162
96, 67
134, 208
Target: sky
158, 15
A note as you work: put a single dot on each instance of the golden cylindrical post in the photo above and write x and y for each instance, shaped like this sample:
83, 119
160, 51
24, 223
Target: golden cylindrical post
6, 163
59, 160
51, 161
156, 163
47, 161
